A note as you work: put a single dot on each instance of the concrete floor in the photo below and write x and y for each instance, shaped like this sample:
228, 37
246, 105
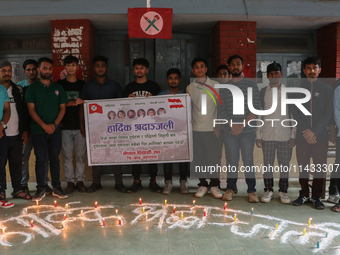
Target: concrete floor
159, 231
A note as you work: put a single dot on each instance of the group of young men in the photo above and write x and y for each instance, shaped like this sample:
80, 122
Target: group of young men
49, 116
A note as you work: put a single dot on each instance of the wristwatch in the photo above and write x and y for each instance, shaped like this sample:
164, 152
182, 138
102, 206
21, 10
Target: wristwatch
3, 125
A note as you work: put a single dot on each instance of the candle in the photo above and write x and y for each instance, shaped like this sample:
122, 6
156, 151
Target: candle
277, 226
66, 206
81, 213
31, 223
204, 213
271, 234
235, 217
116, 212
55, 203
3, 230
304, 232
37, 202
174, 209
309, 222
143, 210
95, 205
225, 206
120, 221
26, 211
140, 201
182, 216
317, 244
63, 224
252, 210
193, 202
103, 222
64, 216
165, 202
326, 234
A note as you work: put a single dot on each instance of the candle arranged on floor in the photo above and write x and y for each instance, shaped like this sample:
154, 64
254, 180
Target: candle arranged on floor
317, 244
116, 212
326, 234
81, 213
103, 222
66, 206
31, 223
64, 216
235, 218
204, 212
277, 226
26, 211
193, 202
37, 202
140, 201
96, 204
271, 234
304, 232
120, 221
174, 209
252, 211
143, 210
63, 224
165, 202
55, 203
3, 230
309, 222
182, 216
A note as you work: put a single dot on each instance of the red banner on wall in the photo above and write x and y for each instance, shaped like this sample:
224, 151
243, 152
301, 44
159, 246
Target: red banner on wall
150, 23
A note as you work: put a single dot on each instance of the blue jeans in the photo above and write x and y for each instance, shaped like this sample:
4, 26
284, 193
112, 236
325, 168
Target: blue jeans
47, 146
234, 143
3, 161
73, 139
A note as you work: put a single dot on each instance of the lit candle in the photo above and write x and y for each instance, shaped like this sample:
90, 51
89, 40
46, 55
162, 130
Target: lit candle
277, 226
252, 210
193, 202
317, 245
26, 211
271, 234
64, 216
31, 223
37, 202
116, 212
140, 201
165, 202
326, 234
3, 230
235, 217
225, 206
63, 224
66, 206
120, 221
55, 203
103, 222
95, 205
182, 216
204, 213
174, 209
309, 222
143, 210
304, 232
81, 213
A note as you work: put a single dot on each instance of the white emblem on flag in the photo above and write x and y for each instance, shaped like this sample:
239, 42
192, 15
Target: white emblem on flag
94, 108
151, 23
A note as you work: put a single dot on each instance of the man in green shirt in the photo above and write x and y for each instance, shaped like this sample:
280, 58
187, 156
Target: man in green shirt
46, 102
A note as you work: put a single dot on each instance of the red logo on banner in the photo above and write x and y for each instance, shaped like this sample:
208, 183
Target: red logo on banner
94, 108
177, 103
150, 23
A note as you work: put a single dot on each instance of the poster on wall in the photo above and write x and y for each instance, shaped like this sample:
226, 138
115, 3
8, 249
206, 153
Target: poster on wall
139, 130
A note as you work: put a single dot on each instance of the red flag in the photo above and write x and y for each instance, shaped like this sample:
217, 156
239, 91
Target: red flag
95, 108
150, 23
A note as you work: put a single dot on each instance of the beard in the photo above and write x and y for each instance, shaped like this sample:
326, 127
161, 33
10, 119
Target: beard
45, 76
237, 73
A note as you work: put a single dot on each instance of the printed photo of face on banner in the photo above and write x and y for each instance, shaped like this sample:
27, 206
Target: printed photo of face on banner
151, 112
131, 114
111, 115
161, 112
141, 113
121, 115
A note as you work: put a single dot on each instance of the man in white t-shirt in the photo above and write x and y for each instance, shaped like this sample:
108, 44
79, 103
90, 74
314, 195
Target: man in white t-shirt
16, 129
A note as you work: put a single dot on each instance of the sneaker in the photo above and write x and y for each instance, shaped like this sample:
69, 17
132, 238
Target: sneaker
81, 187
317, 203
215, 191
228, 195
253, 198
168, 187
120, 187
183, 187
267, 196
154, 186
58, 192
70, 188
48, 190
94, 187
284, 198
5, 204
300, 200
137, 185
202, 190
334, 199
39, 195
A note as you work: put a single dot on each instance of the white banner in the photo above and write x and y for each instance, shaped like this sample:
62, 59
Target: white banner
156, 129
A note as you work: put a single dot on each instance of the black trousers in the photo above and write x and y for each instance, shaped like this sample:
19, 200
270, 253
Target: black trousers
97, 173
182, 171
334, 185
14, 160
137, 169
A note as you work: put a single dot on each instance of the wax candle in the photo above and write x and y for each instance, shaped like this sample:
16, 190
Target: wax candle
317, 245
304, 232
277, 226
193, 202
225, 206
66, 206
252, 210
182, 216
3, 230
326, 234
271, 234
95, 204
63, 224
120, 221
309, 222
235, 217
140, 201
174, 209
103, 222
26, 211
204, 213
55, 203
165, 202
31, 223
81, 213
143, 210
64, 216
37, 202
116, 212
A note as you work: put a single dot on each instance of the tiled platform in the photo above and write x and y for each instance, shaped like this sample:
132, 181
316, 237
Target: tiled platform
161, 231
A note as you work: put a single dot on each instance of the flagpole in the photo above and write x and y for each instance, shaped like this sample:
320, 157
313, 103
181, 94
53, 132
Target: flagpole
148, 3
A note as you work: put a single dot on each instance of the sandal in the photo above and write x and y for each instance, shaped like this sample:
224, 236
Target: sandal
336, 208
22, 194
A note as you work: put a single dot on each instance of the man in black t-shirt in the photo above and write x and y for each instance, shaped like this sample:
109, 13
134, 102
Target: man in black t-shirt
142, 87
70, 134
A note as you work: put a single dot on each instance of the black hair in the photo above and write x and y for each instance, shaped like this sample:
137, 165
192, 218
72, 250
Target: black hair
29, 62
198, 60
220, 67
44, 59
231, 58
312, 60
274, 67
141, 61
100, 58
70, 59
172, 71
